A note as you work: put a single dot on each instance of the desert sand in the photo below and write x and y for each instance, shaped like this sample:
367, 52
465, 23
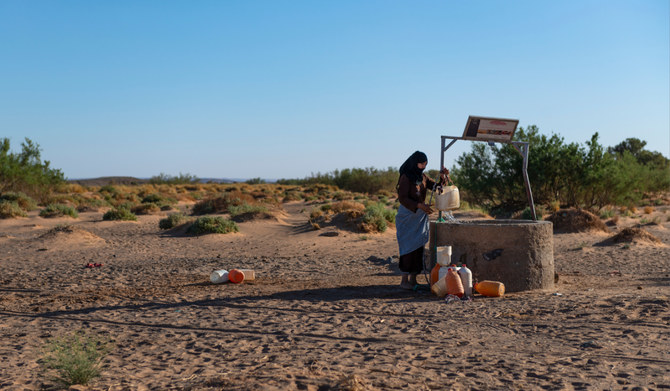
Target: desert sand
325, 312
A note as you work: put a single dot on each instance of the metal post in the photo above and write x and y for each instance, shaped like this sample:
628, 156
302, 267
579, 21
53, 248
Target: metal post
524, 169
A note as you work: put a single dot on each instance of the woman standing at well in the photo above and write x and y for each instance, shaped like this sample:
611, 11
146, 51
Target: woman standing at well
412, 218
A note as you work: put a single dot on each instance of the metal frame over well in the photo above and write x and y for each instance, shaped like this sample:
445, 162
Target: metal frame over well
520, 146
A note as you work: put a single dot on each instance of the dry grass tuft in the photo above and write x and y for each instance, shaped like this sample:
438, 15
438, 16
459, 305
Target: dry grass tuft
576, 220
636, 235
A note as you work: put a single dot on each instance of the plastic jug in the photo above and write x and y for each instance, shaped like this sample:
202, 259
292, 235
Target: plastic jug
448, 198
453, 282
444, 255
490, 288
466, 279
435, 274
439, 288
219, 276
249, 274
236, 276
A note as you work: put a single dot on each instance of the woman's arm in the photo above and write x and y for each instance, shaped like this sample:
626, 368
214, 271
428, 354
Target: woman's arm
404, 189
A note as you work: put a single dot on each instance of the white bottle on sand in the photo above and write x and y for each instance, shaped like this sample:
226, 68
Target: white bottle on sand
466, 279
219, 276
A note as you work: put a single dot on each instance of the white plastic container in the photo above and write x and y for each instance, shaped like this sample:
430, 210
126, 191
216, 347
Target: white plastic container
439, 288
448, 199
444, 255
466, 279
219, 276
249, 274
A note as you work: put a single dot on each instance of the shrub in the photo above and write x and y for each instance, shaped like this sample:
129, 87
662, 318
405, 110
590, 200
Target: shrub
172, 221
377, 217
23, 201
222, 203
145, 209
75, 358
292, 196
10, 209
526, 213
108, 189
236, 210
57, 210
152, 198
212, 225
606, 213
648, 209
120, 214
26, 172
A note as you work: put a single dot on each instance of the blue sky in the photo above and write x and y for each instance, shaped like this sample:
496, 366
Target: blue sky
283, 89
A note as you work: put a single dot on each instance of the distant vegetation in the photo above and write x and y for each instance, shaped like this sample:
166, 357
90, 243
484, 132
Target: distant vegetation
490, 181
164, 179
362, 180
570, 175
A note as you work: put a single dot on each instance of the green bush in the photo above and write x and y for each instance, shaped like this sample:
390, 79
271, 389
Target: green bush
75, 358
25, 172
574, 175
378, 216
172, 221
120, 214
606, 213
236, 210
222, 203
212, 225
58, 210
526, 215
26, 203
10, 209
153, 198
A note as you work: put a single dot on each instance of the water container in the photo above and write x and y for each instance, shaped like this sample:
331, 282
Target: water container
249, 274
466, 279
443, 271
490, 288
439, 288
435, 274
453, 282
444, 255
236, 276
448, 199
219, 276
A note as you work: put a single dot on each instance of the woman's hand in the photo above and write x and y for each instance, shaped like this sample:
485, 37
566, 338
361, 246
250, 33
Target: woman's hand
444, 176
425, 208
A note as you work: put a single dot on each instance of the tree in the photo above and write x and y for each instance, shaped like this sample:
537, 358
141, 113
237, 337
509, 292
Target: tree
25, 172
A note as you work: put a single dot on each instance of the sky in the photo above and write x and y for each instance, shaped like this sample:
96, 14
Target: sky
290, 88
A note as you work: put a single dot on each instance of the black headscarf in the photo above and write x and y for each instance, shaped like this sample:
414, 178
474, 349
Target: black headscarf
410, 169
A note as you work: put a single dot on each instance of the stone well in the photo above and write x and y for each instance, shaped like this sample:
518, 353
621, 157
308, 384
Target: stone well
518, 253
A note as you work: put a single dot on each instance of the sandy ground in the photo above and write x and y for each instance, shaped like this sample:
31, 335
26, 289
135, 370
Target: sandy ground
325, 312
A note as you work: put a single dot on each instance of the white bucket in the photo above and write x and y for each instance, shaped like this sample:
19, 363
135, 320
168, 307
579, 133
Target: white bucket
444, 255
448, 199
219, 276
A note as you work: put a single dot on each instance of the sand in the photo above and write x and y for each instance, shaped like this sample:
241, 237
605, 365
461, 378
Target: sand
326, 311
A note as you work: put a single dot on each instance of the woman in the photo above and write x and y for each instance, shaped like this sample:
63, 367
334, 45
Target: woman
412, 218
